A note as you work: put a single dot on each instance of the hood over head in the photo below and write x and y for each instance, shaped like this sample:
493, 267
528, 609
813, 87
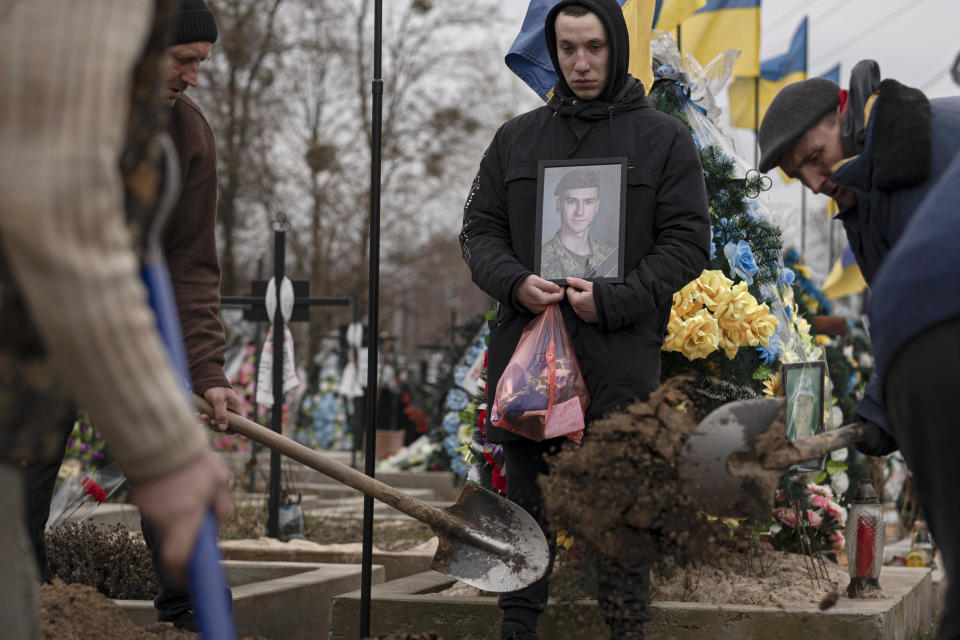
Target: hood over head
618, 40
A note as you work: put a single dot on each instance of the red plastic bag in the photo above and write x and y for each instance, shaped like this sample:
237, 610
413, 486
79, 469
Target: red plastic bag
541, 393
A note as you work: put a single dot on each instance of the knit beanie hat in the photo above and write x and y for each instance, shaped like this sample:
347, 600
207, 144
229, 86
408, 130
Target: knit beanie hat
793, 111
193, 22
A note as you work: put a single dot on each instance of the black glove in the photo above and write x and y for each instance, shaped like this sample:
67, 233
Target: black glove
876, 441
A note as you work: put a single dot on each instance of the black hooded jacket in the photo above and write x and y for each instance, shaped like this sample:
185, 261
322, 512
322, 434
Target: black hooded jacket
667, 223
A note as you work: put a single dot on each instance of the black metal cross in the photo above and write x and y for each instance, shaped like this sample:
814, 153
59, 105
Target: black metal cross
255, 310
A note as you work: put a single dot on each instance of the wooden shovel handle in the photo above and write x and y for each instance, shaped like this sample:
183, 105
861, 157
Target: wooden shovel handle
435, 518
815, 446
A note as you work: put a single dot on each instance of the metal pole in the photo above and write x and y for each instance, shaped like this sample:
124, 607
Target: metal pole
373, 323
756, 121
256, 407
356, 410
276, 413
803, 222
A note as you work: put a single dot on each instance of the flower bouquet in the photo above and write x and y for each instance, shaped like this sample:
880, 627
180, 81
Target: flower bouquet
79, 493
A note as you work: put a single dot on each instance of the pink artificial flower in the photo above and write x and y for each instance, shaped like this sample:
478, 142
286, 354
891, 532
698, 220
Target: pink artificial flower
786, 515
820, 501
836, 511
838, 542
814, 518
822, 489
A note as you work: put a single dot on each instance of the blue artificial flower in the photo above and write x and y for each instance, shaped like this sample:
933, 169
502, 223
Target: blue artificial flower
459, 372
741, 260
786, 277
451, 422
770, 354
457, 400
713, 250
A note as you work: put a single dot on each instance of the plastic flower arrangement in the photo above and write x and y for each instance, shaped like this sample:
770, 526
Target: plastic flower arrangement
713, 313
807, 517
322, 421
86, 445
78, 493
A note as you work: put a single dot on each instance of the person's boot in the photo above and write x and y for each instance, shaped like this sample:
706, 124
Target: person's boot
510, 630
626, 631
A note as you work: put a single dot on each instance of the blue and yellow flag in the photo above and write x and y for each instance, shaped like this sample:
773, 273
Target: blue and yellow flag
845, 278
776, 73
832, 74
529, 59
722, 25
669, 13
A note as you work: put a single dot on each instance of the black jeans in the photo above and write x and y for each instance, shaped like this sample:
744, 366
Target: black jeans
623, 592
920, 387
39, 481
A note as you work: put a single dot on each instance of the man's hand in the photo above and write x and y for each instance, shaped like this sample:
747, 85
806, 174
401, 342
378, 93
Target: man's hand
535, 293
176, 503
221, 399
876, 441
580, 295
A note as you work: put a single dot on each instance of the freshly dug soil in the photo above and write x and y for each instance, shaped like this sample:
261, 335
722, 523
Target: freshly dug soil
620, 491
79, 612
760, 577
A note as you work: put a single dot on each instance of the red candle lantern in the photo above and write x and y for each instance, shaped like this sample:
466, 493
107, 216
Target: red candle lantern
865, 537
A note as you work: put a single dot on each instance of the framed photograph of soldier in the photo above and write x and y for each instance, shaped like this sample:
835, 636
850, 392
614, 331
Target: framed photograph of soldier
581, 217
803, 385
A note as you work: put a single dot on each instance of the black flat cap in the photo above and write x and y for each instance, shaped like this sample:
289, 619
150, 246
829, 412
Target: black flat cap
795, 109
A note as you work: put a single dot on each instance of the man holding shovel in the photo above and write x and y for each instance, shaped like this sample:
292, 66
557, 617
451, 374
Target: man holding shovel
74, 315
877, 149
189, 247
598, 111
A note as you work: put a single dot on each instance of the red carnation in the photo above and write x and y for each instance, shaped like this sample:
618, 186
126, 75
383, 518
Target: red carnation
498, 480
482, 421
93, 490
485, 352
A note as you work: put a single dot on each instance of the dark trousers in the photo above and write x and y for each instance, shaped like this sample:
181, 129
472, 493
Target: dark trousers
921, 388
622, 591
40, 479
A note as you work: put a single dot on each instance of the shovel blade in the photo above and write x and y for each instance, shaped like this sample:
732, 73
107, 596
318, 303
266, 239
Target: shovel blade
525, 554
711, 467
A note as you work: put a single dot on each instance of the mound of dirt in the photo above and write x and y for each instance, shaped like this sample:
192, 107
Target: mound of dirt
620, 491
79, 612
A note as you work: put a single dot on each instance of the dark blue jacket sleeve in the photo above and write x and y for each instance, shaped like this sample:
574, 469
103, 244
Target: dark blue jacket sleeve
870, 408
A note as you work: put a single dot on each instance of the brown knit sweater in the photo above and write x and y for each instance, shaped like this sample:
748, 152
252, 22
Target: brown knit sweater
190, 246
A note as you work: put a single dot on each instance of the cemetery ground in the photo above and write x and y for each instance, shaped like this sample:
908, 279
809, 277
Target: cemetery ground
309, 588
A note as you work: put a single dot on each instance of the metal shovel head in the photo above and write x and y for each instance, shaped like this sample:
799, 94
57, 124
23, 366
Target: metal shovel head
522, 556
713, 465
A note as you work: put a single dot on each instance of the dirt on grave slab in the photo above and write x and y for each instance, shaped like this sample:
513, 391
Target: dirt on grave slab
79, 612
620, 491
758, 576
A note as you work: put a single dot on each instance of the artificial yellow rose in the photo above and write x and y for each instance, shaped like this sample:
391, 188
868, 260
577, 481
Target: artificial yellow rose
712, 286
735, 304
699, 336
730, 342
773, 386
763, 325
674, 328
686, 302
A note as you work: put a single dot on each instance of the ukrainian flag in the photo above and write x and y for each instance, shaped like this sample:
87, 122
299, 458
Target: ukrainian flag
670, 13
775, 74
722, 25
845, 278
833, 74
529, 59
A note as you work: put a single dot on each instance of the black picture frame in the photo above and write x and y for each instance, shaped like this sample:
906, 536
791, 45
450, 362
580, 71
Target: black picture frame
804, 385
606, 227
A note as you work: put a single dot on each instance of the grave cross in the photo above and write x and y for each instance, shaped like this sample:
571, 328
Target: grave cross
255, 309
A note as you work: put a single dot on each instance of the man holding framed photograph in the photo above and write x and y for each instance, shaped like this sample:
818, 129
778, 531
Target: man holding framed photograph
598, 112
